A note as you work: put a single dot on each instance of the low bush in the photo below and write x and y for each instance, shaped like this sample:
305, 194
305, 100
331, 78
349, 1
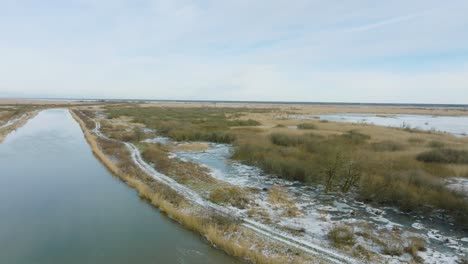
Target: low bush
283, 139
193, 135
341, 235
387, 145
230, 195
444, 155
249, 122
393, 248
286, 162
307, 126
184, 172
415, 245
355, 137
88, 122
436, 144
158, 158
412, 191
416, 140
280, 197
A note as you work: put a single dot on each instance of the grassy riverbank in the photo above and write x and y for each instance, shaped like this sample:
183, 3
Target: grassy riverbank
15, 116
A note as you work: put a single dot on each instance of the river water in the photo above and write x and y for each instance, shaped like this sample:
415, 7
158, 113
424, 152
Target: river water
58, 204
456, 125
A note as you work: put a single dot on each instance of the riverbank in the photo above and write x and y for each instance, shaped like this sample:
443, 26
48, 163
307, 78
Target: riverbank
15, 123
222, 231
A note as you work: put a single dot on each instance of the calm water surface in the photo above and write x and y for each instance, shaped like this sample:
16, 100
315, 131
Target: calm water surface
58, 204
457, 125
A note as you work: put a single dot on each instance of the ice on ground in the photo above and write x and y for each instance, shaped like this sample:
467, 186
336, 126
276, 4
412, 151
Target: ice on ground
418, 226
458, 184
456, 125
320, 211
160, 140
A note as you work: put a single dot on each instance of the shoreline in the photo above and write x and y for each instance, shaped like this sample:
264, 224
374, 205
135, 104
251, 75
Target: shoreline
21, 121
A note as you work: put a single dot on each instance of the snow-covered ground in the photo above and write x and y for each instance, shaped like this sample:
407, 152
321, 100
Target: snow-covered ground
321, 211
459, 185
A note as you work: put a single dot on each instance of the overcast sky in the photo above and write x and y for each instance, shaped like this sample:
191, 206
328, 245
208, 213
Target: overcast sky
291, 50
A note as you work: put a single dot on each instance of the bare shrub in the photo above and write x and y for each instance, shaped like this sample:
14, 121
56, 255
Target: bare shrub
393, 248
387, 145
415, 245
230, 195
444, 155
341, 235
307, 126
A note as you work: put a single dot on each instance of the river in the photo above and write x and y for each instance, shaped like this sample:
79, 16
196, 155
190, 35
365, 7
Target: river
456, 125
58, 204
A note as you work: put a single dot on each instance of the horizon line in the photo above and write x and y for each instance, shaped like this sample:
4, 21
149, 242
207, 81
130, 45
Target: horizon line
238, 101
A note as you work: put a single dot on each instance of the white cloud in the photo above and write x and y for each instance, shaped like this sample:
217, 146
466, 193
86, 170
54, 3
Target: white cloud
235, 50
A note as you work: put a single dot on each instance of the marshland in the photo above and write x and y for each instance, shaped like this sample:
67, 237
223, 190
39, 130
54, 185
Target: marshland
237, 182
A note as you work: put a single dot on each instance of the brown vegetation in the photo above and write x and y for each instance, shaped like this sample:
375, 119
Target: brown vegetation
218, 230
341, 235
444, 155
307, 126
379, 164
230, 195
279, 197
183, 172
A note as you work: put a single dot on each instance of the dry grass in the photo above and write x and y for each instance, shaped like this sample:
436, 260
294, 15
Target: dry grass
415, 245
184, 172
444, 155
393, 248
230, 195
387, 145
279, 197
307, 126
259, 213
341, 236
199, 146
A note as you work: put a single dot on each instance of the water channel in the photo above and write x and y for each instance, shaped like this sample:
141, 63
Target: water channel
58, 204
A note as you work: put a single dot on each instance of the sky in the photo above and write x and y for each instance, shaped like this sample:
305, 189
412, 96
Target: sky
401, 51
